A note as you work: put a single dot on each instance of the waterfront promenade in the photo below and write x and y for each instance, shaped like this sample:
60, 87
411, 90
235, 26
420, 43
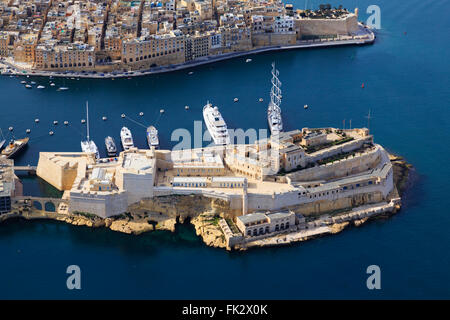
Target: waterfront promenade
364, 36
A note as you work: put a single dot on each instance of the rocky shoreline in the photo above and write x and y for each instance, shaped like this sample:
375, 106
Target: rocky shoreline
204, 214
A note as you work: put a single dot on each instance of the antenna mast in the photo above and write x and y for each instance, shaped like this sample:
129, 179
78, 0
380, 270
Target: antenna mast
275, 93
368, 120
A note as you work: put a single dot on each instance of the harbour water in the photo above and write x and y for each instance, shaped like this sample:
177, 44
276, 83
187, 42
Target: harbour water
406, 87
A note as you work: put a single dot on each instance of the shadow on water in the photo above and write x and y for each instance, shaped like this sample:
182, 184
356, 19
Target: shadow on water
37, 187
101, 238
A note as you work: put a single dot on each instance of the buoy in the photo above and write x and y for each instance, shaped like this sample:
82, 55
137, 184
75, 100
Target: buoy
141, 114
161, 111
123, 115
83, 121
50, 133
362, 86
104, 118
66, 122
55, 122
235, 99
28, 131
186, 107
36, 120
10, 128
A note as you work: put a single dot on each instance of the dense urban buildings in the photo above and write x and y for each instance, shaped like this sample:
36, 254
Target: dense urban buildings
120, 36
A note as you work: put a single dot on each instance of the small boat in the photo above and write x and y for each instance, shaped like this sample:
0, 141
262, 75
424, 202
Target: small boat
104, 118
161, 111
122, 115
83, 121
55, 122
111, 148
2, 142
191, 72
152, 137
88, 145
248, 60
305, 106
28, 131
40, 87
23, 82
126, 138
36, 120
33, 82
52, 84
28, 86
10, 128
66, 122
186, 107
141, 114
261, 99
14, 147
235, 99
63, 88
50, 133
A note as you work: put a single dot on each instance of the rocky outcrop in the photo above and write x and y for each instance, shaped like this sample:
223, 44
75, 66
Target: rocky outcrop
207, 226
402, 171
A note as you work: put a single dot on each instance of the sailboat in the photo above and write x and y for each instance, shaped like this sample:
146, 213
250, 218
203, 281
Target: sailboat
89, 146
274, 112
2, 142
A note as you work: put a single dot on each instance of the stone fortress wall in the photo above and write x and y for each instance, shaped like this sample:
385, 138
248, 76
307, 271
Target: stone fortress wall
324, 27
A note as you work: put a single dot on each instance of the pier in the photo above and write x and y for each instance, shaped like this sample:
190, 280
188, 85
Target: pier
28, 169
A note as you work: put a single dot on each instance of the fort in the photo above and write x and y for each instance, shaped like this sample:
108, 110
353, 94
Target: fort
286, 188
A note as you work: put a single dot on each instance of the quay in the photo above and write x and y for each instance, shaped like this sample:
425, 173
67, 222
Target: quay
366, 36
28, 169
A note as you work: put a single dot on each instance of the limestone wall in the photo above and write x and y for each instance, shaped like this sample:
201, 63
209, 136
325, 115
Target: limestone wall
273, 39
61, 176
339, 168
323, 27
103, 205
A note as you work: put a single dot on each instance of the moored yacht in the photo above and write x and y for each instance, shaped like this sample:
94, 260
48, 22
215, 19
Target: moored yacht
88, 145
216, 125
126, 138
110, 146
274, 112
14, 147
152, 137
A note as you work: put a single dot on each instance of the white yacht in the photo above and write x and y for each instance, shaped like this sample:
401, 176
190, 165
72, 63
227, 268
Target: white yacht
216, 125
126, 138
274, 112
88, 145
152, 137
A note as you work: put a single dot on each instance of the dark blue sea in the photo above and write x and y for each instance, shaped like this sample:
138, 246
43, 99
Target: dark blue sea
406, 87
